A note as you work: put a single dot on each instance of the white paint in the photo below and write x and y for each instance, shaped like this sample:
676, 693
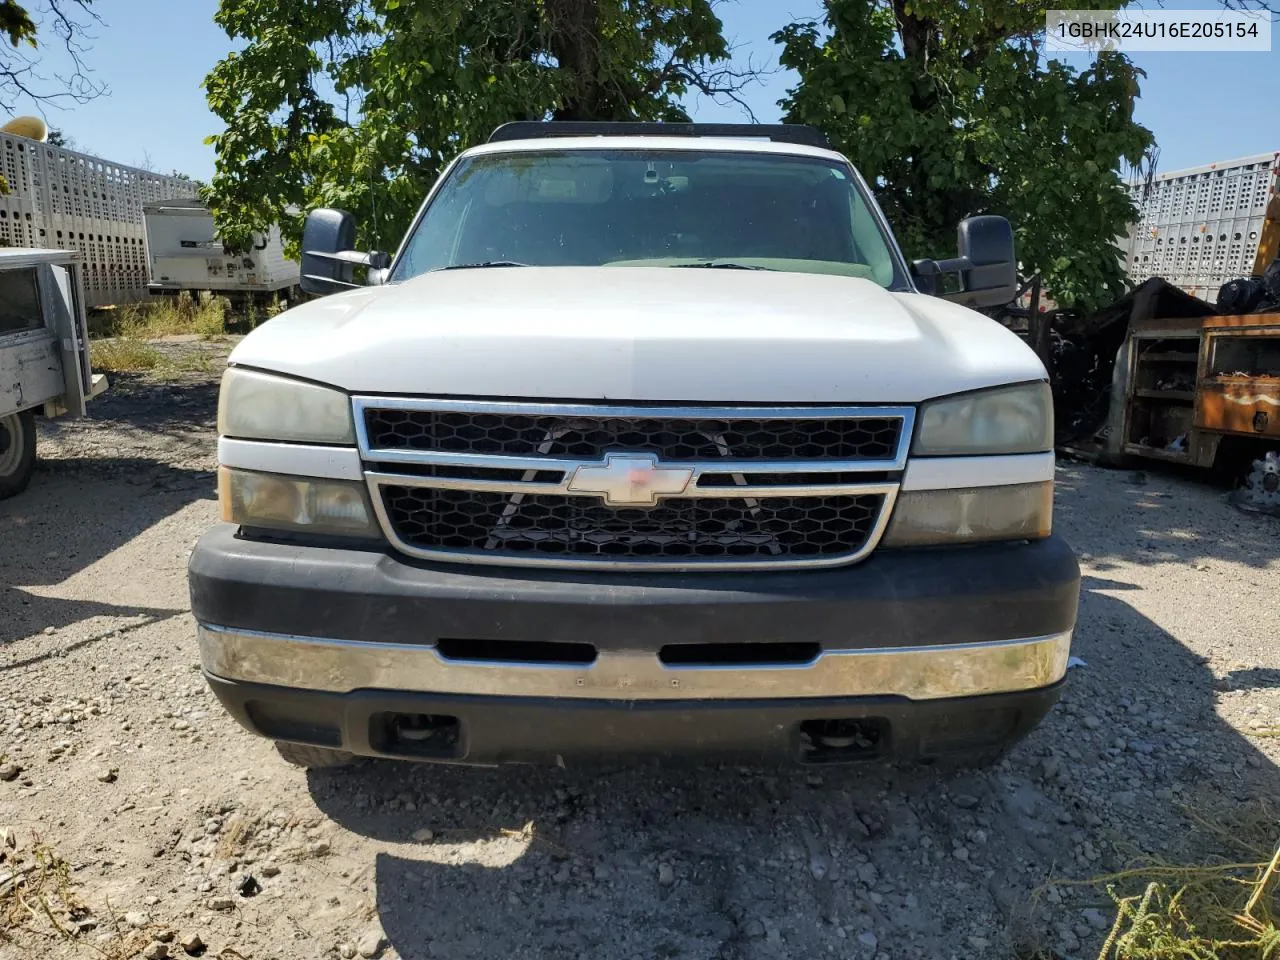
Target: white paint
956, 473
294, 459
640, 333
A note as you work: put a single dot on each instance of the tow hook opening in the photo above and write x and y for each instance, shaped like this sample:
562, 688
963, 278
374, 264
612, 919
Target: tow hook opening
843, 740
418, 734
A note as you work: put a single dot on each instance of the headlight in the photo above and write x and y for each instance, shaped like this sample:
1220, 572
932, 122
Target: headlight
302, 504
259, 406
1000, 421
1020, 511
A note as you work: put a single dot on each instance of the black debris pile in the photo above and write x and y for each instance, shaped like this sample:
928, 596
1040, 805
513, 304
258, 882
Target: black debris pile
1083, 352
1252, 294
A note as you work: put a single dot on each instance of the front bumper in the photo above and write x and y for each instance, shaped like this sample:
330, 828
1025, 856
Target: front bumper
934, 649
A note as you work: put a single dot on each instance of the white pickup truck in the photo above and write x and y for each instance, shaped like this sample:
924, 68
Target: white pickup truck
647, 441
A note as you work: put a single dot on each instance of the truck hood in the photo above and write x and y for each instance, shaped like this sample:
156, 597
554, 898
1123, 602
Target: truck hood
639, 333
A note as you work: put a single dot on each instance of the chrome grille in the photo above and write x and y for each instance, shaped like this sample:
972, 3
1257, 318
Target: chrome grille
719, 488
677, 529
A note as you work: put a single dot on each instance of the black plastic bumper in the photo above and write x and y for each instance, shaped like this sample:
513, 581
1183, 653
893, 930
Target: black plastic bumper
494, 730
895, 598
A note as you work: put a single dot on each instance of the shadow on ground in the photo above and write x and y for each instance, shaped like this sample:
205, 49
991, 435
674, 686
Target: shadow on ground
76, 512
732, 863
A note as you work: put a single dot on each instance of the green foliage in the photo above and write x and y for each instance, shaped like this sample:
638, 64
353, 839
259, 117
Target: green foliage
358, 104
952, 110
16, 24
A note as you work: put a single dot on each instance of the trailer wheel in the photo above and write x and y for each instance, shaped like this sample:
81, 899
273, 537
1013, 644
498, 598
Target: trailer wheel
17, 452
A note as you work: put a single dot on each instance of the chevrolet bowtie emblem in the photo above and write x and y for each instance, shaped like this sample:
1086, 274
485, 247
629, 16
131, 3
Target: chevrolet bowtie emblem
630, 479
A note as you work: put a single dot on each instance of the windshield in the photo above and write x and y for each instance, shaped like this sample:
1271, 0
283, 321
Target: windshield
673, 208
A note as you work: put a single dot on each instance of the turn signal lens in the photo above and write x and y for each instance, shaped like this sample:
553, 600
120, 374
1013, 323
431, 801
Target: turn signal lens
304, 504
1021, 511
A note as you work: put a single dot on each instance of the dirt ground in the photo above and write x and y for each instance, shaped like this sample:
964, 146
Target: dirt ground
172, 822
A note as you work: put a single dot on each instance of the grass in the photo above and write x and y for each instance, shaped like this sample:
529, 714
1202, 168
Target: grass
1214, 911
124, 355
124, 336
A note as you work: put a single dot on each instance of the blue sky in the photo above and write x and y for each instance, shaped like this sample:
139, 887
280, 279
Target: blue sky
153, 55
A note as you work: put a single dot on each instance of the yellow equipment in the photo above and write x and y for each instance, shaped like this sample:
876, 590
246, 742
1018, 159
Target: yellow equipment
33, 128
1269, 238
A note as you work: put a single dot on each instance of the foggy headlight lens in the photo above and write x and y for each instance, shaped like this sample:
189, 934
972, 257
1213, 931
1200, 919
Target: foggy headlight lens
1001, 421
1022, 511
260, 406
302, 504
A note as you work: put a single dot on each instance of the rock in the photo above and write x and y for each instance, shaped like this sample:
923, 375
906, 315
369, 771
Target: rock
424, 835
965, 801
868, 939
9, 771
666, 874
269, 870
752, 929
107, 775
319, 848
221, 903
346, 950
191, 943
166, 936
8, 839
1050, 767
1092, 722
371, 944
1096, 918
136, 919
156, 951
50, 631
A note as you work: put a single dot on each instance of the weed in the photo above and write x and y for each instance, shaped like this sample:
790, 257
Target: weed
1214, 911
124, 355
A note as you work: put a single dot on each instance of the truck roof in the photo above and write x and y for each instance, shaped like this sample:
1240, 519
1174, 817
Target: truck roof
725, 144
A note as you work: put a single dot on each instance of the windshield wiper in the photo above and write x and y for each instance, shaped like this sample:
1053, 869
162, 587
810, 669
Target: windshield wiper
721, 265
485, 263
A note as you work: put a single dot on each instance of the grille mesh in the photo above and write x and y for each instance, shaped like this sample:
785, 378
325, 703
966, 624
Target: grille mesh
573, 526
855, 438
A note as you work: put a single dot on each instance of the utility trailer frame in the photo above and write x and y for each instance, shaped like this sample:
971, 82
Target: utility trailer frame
44, 352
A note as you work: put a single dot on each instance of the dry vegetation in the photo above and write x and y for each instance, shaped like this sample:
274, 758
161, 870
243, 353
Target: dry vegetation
1222, 910
124, 338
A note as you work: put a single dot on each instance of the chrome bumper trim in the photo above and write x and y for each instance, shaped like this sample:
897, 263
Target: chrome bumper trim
917, 673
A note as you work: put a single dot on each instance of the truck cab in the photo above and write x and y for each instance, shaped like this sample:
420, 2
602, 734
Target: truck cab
647, 441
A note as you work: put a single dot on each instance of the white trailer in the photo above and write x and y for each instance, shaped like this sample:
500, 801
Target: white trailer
44, 353
1199, 227
185, 254
61, 199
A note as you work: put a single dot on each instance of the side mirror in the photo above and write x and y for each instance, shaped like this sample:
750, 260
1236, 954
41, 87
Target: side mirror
328, 259
987, 265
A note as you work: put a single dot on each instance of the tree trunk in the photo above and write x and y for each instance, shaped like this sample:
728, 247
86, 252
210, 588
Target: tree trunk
574, 40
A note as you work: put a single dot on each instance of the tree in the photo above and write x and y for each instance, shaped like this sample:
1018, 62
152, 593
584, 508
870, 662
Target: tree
359, 103
951, 110
60, 21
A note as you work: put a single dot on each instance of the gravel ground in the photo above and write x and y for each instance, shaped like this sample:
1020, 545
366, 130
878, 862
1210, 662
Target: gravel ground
175, 824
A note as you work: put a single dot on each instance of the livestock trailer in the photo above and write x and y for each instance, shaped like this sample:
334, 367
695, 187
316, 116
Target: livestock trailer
65, 200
